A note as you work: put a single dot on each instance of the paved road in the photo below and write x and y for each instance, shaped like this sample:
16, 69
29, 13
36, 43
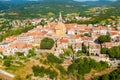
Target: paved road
7, 74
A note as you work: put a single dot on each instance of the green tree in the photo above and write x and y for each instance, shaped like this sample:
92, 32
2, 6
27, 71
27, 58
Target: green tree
19, 53
105, 77
38, 71
31, 53
104, 50
43, 22
47, 43
7, 63
61, 69
84, 48
53, 59
114, 52
72, 69
79, 53
86, 34
69, 52
104, 38
73, 53
82, 66
53, 74
118, 65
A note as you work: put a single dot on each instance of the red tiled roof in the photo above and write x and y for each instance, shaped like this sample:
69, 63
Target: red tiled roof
113, 29
77, 36
10, 39
64, 40
20, 45
69, 26
113, 33
43, 32
85, 38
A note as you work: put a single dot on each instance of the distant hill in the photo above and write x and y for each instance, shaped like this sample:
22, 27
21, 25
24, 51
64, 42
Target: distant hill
100, 2
40, 8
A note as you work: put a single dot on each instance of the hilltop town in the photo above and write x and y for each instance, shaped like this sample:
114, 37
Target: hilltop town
59, 40
71, 42
63, 35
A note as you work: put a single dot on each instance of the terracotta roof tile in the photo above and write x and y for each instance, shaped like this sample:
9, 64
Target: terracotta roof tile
113, 33
20, 45
70, 26
64, 40
77, 36
10, 39
85, 38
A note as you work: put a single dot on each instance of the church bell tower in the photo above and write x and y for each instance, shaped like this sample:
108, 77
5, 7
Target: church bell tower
60, 27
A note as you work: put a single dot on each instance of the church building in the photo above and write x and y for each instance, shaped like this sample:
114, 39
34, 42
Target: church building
60, 27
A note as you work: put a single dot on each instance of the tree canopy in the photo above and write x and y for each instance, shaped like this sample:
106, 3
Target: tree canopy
84, 48
47, 43
83, 66
113, 52
53, 59
104, 38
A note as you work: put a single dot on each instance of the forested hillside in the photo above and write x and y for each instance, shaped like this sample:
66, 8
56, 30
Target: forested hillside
52, 8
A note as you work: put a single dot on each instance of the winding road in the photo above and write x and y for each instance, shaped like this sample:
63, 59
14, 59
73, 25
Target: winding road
5, 75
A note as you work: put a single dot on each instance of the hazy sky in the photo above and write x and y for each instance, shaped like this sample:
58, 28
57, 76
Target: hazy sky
74, 0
